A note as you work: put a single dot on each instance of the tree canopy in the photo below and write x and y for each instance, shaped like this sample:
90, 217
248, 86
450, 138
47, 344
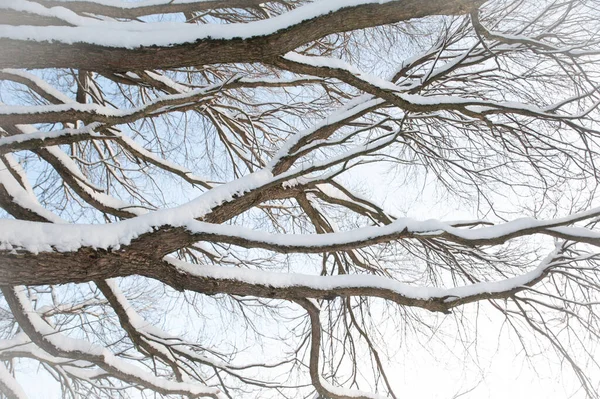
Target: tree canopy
325, 179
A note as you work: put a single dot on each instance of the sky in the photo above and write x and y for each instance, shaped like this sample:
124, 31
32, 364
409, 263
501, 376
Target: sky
443, 364
451, 362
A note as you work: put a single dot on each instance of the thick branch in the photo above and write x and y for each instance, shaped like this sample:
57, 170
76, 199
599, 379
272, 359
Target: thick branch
201, 50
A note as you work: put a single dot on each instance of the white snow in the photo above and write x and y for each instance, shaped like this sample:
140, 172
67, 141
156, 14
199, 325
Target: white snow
161, 337
135, 34
11, 384
95, 109
134, 4
47, 237
22, 197
41, 135
472, 104
348, 393
41, 83
153, 158
168, 81
102, 356
348, 281
39, 237
22, 175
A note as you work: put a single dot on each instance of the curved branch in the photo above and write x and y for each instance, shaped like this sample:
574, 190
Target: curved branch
9, 386
322, 386
143, 8
252, 42
57, 344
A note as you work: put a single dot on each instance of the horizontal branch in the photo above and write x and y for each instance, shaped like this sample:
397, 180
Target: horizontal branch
181, 224
96, 48
88, 264
326, 67
34, 141
72, 111
115, 9
42, 253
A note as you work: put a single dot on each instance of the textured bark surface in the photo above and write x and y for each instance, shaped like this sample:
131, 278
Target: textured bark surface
25, 54
249, 157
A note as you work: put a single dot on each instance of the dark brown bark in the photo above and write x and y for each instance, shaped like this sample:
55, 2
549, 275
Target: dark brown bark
29, 54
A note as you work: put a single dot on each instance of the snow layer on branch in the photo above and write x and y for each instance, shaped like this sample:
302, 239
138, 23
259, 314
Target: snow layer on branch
41, 83
169, 82
348, 393
331, 191
22, 197
135, 34
41, 135
80, 180
42, 237
347, 281
22, 343
94, 192
38, 237
108, 111
336, 63
161, 339
134, 4
154, 158
351, 108
20, 173
10, 383
108, 359
472, 104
